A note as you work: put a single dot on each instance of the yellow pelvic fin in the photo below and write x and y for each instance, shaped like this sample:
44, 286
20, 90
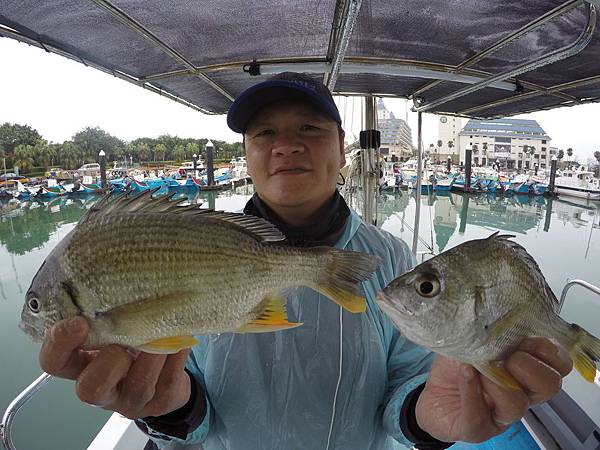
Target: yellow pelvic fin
272, 318
169, 345
346, 299
499, 375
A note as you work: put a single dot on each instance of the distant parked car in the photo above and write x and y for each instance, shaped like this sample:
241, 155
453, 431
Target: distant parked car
89, 169
10, 176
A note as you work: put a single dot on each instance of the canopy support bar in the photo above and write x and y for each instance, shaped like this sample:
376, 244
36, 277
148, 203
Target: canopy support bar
341, 45
115, 73
551, 90
550, 15
356, 65
142, 31
564, 52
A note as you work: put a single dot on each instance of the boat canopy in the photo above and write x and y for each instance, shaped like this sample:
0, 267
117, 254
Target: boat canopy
472, 58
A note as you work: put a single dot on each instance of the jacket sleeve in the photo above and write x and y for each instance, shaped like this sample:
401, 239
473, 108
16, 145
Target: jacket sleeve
408, 364
188, 425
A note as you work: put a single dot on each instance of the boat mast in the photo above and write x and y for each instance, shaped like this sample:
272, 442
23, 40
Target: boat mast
418, 186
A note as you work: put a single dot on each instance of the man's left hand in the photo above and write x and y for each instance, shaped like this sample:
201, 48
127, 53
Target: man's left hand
459, 404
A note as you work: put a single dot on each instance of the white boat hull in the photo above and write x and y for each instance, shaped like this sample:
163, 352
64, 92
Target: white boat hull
573, 191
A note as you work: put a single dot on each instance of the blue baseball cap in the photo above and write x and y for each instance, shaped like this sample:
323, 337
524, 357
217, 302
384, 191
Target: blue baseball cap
283, 86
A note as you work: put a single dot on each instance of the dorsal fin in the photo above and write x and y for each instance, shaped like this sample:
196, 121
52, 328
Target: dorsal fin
256, 227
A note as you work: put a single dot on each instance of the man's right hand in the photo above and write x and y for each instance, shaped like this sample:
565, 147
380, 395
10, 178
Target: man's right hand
111, 377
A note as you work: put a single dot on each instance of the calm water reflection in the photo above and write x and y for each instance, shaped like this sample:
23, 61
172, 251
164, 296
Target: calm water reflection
563, 237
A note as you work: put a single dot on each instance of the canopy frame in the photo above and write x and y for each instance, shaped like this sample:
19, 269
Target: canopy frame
564, 52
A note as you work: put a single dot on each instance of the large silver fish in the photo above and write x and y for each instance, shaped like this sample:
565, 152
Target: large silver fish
477, 301
149, 273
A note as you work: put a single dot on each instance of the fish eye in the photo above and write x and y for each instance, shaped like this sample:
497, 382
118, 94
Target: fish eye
33, 304
427, 285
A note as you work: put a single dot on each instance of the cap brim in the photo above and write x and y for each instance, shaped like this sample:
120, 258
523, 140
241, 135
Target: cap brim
256, 97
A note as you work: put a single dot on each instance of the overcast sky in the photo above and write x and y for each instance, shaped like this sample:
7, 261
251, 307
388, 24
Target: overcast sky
59, 97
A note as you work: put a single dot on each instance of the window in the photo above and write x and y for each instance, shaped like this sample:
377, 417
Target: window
543, 148
543, 141
543, 156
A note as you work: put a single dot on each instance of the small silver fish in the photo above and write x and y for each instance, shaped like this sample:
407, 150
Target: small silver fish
477, 301
148, 273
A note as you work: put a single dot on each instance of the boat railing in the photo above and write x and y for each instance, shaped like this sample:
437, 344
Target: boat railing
563, 295
16, 405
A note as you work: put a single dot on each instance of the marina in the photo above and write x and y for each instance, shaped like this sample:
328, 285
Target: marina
563, 236
483, 61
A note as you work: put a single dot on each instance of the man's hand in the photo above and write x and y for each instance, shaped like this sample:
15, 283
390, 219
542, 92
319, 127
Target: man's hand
459, 404
112, 378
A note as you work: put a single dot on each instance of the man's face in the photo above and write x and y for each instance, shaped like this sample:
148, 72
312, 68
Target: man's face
294, 154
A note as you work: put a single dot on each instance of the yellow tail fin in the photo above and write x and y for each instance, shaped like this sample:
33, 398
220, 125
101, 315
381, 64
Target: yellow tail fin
585, 353
342, 275
272, 318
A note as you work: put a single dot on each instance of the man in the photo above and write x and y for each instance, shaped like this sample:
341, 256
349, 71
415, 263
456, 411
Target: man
341, 380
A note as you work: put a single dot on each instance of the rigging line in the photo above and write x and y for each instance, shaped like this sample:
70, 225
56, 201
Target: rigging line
337, 387
423, 241
352, 121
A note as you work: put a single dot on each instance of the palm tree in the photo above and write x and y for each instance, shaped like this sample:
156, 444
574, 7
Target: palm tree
531, 152
450, 144
560, 155
23, 157
569, 154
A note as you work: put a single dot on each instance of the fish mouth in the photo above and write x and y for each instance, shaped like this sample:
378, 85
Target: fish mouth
31, 331
390, 306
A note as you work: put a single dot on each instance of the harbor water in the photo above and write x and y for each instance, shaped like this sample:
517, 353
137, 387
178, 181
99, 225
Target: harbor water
562, 235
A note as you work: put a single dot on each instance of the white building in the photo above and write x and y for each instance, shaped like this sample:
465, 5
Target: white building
508, 141
396, 135
448, 129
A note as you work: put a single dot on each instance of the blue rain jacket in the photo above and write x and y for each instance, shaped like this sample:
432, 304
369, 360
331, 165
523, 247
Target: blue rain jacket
291, 390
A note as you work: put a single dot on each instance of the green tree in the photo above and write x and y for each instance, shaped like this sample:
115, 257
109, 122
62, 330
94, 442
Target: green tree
560, 155
160, 150
597, 156
68, 155
93, 139
143, 151
191, 148
13, 135
179, 153
569, 154
23, 157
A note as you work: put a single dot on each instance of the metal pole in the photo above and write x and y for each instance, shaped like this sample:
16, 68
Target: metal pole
210, 174
102, 161
195, 164
418, 187
369, 142
468, 152
553, 164
15, 406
